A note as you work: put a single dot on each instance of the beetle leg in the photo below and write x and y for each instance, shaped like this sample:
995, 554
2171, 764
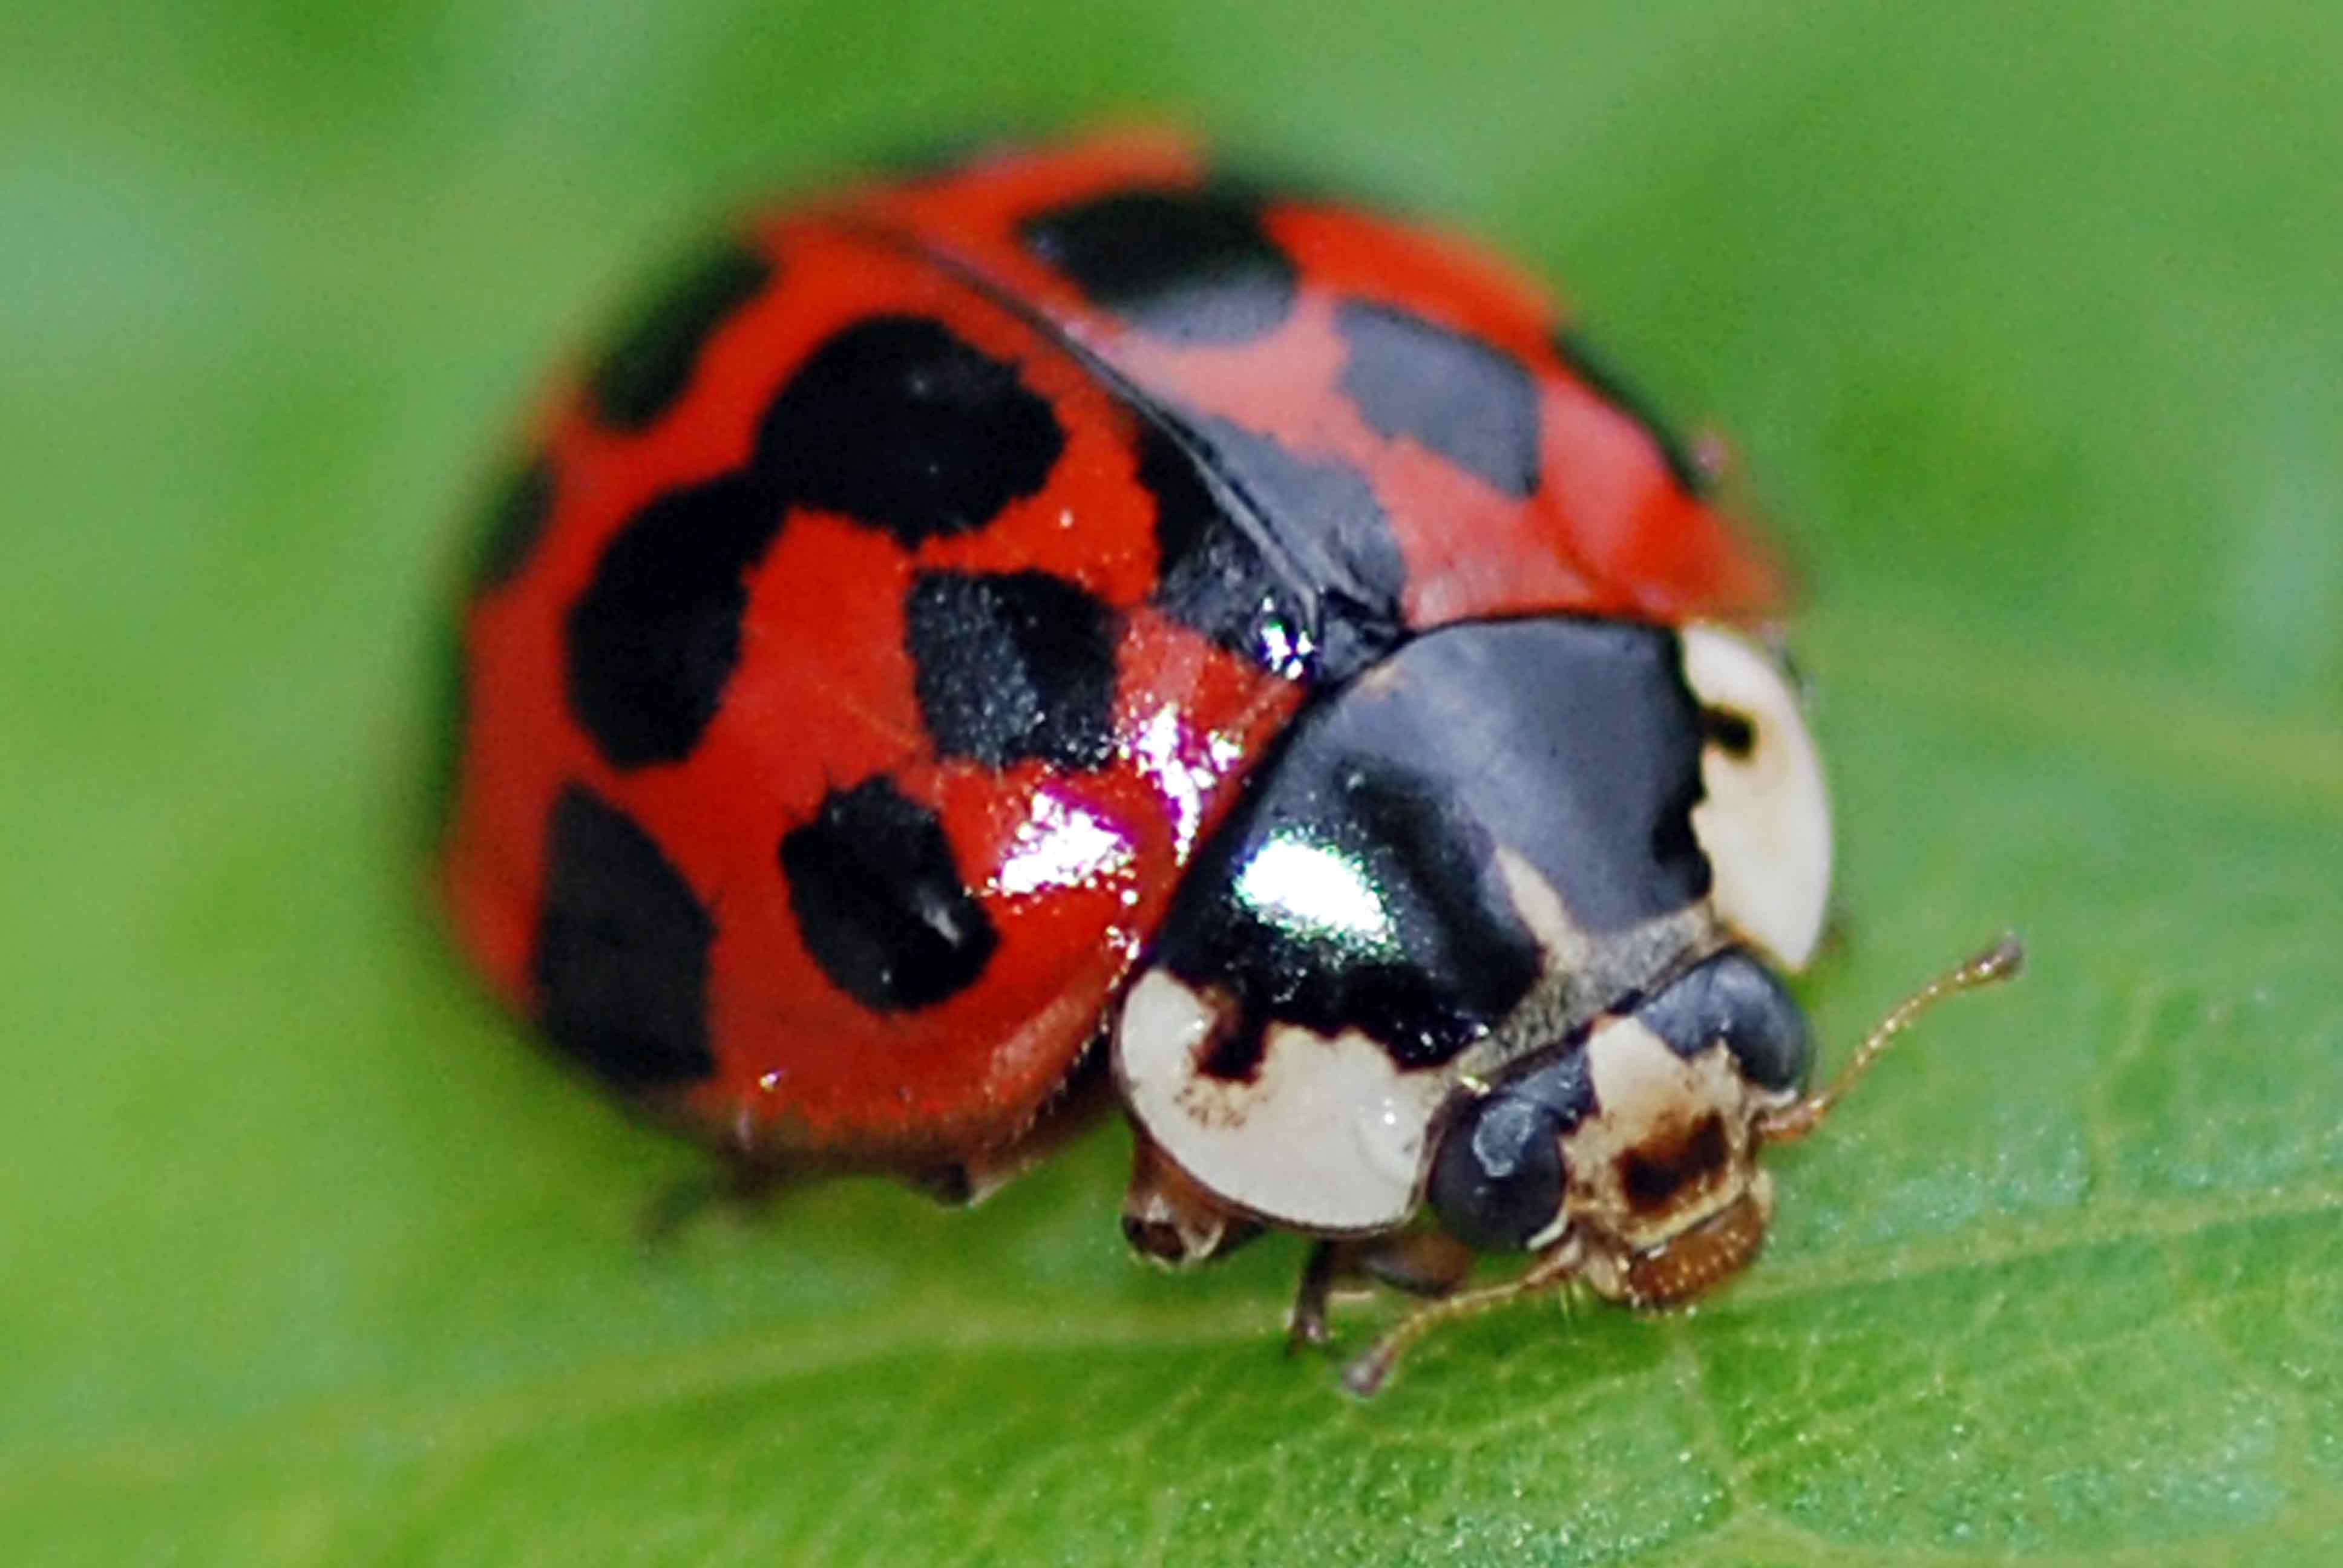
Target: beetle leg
1553, 1269
1420, 1262
1429, 1263
1167, 1217
737, 1186
1306, 1325
973, 1175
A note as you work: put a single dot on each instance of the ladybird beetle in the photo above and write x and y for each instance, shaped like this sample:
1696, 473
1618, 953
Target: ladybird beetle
1076, 617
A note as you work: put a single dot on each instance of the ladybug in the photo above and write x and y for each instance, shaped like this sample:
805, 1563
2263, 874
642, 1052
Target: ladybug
1078, 617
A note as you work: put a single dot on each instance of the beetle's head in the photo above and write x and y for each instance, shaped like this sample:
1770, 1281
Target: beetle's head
1635, 1152
1636, 1144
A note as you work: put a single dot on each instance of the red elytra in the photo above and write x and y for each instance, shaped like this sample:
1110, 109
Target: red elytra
1068, 850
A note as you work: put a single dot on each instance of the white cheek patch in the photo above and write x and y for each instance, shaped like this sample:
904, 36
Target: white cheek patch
1638, 1081
1764, 823
1328, 1134
1640, 1088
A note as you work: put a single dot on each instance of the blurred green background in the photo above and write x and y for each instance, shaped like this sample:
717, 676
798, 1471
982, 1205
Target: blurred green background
2025, 322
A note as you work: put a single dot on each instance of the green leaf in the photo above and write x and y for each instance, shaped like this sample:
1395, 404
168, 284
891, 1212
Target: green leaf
2024, 320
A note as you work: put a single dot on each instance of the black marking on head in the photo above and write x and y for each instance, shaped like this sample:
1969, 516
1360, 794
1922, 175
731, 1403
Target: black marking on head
1734, 733
1734, 999
515, 523
1654, 1172
898, 424
1323, 514
653, 638
622, 958
879, 902
1016, 666
1467, 400
1588, 364
1189, 267
642, 374
1210, 574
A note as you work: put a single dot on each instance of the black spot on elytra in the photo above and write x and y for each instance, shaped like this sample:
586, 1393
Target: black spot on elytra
898, 424
1734, 999
653, 638
1654, 1174
1189, 267
1014, 666
1588, 364
1470, 402
642, 374
514, 522
622, 958
893, 422
879, 902
1210, 575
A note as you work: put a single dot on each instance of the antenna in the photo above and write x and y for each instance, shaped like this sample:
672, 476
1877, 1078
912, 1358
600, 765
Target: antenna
1999, 962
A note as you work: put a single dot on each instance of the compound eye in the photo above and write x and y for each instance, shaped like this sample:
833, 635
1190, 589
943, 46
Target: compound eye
1764, 822
1497, 1181
1734, 999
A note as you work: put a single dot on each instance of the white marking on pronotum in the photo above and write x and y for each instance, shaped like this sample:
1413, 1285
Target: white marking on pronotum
1563, 944
1764, 822
1327, 1135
